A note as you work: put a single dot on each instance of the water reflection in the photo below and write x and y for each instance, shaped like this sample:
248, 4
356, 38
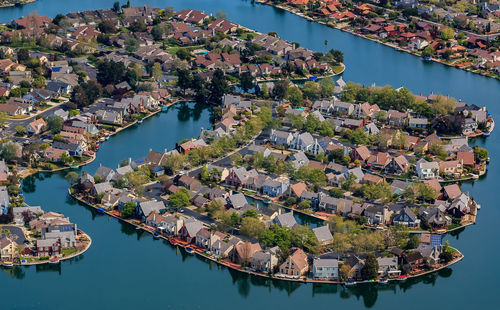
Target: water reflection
49, 268
15, 272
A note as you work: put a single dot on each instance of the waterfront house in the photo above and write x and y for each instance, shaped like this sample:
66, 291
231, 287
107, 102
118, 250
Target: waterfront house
295, 265
222, 248
460, 206
435, 217
48, 247
104, 174
67, 239
275, 188
237, 201
285, 220
414, 259
189, 230
327, 203
356, 264
453, 168
146, 207
265, 261
54, 155
296, 190
430, 254
242, 252
452, 191
388, 266
206, 237
170, 225
154, 219
325, 269
323, 235
7, 249
73, 149
427, 170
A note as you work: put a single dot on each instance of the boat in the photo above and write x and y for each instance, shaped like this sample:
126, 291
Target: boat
173, 242
97, 147
402, 278
54, 260
106, 137
17, 4
164, 108
100, 210
189, 250
427, 58
102, 139
156, 235
140, 120
383, 281
350, 282
7, 264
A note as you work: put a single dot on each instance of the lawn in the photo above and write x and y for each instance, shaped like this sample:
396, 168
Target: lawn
68, 251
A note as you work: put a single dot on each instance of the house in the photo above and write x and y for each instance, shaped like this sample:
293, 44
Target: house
379, 161
406, 217
435, 217
460, 206
237, 201
37, 126
222, 248
239, 176
206, 237
343, 108
469, 126
325, 269
398, 165
427, 170
452, 191
104, 174
323, 235
154, 219
295, 265
279, 137
388, 266
305, 142
242, 252
299, 159
265, 261
72, 148
275, 188
54, 155
146, 207
188, 182
7, 249
419, 123
67, 239
296, 190
452, 168
361, 153
369, 178
48, 247
430, 254
467, 158
414, 259
285, 220
170, 225
376, 214
189, 230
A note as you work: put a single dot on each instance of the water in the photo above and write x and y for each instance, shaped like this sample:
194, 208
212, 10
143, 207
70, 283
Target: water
125, 269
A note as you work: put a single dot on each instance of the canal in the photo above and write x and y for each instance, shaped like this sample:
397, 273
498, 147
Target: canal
127, 269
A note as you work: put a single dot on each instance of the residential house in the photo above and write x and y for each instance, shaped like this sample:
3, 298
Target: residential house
275, 188
265, 261
406, 217
36, 127
323, 235
295, 265
427, 170
242, 252
325, 269
398, 165
285, 220
189, 230
146, 207
388, 266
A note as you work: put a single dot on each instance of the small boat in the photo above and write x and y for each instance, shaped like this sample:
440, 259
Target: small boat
350, 282
427, 58
106, 137
486, 133
54, 260
402, 278
164, 108
102, 139
7, 264
100, 210
140, 120
173, 242
156, 235
17, 4
189, 250
97, 147
383, 281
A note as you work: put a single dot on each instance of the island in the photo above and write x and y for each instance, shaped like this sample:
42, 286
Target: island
301, 177
11, 3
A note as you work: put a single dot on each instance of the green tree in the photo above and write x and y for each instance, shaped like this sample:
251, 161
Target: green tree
214, 207
327, 87
481, 153
131, 45
428, 51
413, 242
280, 89
310, 90
370, 269
447, 33
218, 87
247, 81
116, 6
252, 227
183, 54
9, 150
128, 209
425, 192
294, 95
23, 55
20, 130
55, 123
156, 71
336, 193
179, 199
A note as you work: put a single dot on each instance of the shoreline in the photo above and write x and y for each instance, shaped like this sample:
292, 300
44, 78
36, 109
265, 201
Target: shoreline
16, 4
391, 45
235, 267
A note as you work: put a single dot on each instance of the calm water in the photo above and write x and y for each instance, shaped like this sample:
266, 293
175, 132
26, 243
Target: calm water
125, 269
